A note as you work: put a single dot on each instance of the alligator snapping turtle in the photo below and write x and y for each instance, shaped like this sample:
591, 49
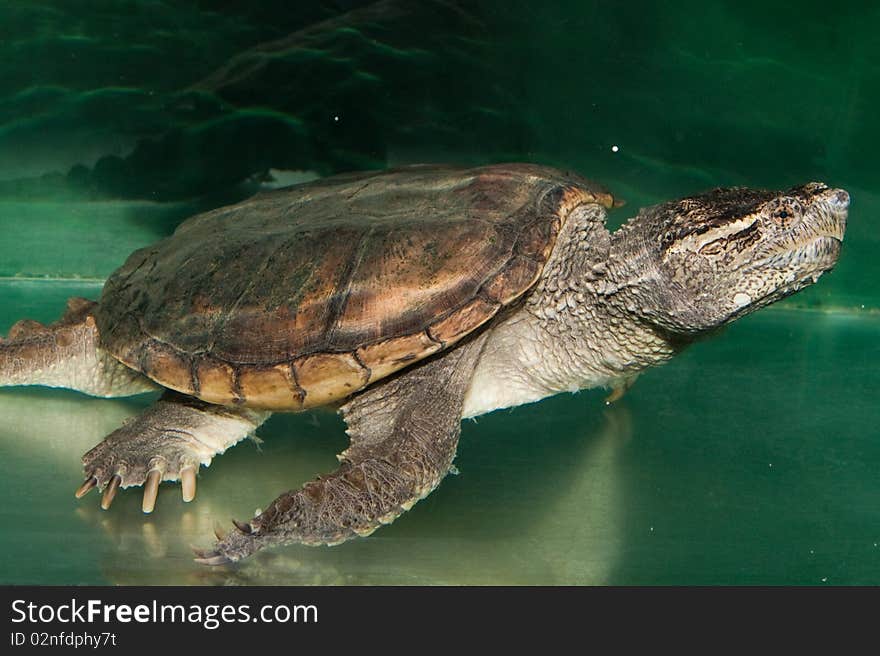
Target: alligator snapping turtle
415, 297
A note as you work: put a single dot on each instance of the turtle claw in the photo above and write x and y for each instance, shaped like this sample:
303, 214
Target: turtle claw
110, 492
219, 533
620, 388
214, 561
188, 484
86, 487
141, 459
244, 527
167, 442
235, 545
211, 558
151, 490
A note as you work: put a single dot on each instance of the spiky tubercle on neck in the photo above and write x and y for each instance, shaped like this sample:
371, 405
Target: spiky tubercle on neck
574, 330
638, 286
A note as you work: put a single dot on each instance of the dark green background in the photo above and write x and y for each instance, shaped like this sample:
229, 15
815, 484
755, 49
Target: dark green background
752, 458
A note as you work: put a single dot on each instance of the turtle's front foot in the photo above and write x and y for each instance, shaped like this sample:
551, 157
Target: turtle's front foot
167, 442
128, 459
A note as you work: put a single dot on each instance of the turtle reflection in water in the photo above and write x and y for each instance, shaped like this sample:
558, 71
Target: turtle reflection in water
414, 298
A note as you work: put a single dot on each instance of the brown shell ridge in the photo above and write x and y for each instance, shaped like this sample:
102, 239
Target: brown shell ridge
363, 364
299, 388
427, 332
195, 381
238, 395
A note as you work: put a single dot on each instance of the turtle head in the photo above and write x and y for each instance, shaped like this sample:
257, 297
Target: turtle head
720, 255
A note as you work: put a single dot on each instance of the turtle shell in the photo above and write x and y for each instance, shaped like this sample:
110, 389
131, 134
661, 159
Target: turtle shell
301, 296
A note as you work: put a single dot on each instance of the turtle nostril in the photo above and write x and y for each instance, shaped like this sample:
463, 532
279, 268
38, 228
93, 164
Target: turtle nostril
841, 198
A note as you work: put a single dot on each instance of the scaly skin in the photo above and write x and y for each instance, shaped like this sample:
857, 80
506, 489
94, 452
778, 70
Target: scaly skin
167, 442
404, 434
611, 305
606, 307
66, 354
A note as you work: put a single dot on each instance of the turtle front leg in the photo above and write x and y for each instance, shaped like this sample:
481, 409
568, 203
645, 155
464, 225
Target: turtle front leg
167, 442
404, 434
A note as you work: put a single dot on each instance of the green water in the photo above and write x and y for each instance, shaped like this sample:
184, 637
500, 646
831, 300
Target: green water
752, 458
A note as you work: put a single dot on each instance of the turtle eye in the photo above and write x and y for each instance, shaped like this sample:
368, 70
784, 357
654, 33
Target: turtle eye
786, 211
